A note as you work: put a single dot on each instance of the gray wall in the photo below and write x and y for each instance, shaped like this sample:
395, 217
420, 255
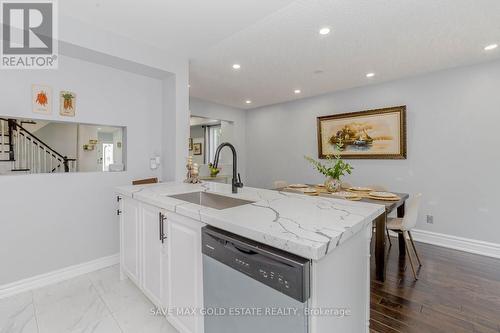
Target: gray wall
453, 153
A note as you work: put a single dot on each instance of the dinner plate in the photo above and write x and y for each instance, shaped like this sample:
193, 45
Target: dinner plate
298, 186
347, 195
361, 189
382, 194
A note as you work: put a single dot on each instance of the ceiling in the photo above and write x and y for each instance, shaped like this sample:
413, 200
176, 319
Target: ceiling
279, 48
183, 27
392, 38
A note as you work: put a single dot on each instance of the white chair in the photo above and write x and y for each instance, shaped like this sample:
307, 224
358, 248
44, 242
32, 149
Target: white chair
280, 184
404, 226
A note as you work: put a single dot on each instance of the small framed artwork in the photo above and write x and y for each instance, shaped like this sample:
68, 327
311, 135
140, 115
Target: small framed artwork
67, 103
372, 134
41, 99
197, 149
190, 144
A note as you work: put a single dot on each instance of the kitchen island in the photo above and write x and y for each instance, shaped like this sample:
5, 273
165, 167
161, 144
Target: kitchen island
160, 240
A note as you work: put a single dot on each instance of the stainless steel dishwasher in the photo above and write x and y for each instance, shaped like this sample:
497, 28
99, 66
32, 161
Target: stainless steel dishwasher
250, 287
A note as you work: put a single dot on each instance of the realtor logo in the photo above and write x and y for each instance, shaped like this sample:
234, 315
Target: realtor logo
29, 39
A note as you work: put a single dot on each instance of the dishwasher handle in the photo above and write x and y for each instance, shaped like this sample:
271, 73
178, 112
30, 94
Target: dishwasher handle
234, 248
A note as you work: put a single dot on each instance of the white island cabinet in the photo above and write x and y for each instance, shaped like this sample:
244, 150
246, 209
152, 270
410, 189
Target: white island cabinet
185, 281
160, 243
129, 238
160, 252
154, 253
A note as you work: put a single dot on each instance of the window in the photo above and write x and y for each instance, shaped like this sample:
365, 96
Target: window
213, 138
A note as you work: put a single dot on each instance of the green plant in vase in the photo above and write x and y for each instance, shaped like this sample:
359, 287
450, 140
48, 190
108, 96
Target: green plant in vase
334, 170
213, 170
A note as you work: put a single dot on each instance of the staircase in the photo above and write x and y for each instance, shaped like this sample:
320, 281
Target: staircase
22, 152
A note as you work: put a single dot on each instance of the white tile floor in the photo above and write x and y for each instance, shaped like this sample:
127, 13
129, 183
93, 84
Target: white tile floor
97, 302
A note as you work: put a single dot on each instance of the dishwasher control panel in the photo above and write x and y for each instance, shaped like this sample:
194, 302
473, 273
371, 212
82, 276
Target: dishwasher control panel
277, 269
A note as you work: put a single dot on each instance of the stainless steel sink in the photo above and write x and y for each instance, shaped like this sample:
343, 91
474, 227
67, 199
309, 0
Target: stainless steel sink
211, 200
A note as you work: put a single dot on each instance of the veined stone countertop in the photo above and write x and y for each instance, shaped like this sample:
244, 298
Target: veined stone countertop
307, 226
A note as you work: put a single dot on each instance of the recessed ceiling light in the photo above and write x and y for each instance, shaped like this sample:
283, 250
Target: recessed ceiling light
370, 75
297, 91
491, 47
248, 101
236, 66
324, 31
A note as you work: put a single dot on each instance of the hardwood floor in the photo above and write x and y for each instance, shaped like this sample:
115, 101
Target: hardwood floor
456, 292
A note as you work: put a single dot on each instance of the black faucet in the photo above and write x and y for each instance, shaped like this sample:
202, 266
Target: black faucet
236, 181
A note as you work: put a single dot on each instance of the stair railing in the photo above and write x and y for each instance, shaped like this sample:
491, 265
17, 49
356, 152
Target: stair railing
5, 142
30, 154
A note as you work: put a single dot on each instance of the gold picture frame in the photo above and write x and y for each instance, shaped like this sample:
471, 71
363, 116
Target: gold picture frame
197, 149
371, 134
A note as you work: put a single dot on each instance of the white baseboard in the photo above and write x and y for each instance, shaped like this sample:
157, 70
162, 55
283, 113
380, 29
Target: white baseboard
457, 243
57, 276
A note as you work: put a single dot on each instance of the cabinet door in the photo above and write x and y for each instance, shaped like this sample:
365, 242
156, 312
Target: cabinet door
129, 240
185, 272
152, 248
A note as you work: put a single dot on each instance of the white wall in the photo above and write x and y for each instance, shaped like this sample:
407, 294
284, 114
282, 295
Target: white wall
453, 155
235, 134
52, 221
84, 41
59, 136
87, 159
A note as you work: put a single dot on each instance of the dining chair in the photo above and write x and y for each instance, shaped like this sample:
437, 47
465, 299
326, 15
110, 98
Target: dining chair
280, 184
404, 226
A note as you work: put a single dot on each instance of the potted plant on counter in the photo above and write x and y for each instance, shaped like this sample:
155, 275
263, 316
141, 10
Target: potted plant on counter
333, 172
213, 170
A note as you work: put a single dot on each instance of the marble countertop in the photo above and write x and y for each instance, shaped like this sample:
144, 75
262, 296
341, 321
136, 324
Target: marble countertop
307, 226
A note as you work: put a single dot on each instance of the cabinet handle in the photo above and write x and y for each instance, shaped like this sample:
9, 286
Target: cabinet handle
118, 198
162, 218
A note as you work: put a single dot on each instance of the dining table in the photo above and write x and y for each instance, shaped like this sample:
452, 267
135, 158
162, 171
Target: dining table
380, 231
380, 227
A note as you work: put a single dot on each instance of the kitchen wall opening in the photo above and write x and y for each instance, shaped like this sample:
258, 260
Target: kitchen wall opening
29, 146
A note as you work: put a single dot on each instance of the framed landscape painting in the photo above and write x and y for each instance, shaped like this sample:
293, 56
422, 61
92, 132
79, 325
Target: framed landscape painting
372, 134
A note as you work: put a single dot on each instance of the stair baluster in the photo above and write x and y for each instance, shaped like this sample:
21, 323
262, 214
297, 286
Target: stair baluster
28, 153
